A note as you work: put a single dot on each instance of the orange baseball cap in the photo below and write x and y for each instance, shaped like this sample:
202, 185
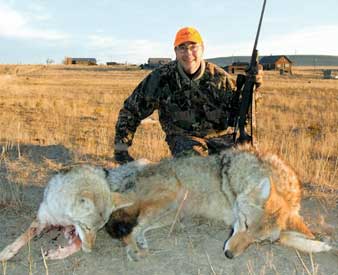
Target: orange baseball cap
187, 34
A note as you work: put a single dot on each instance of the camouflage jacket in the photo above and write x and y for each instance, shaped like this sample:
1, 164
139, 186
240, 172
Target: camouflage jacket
195, 107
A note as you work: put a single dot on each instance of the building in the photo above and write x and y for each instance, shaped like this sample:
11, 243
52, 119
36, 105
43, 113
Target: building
112, 63
330, 74
237, 67
158, 61
154, 63
79, 61
276, 62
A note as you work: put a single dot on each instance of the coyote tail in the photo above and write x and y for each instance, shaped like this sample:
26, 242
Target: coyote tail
299, 236
301, 242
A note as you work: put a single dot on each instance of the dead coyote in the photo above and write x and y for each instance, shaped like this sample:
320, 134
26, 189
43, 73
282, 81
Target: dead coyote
257, 194
78, 200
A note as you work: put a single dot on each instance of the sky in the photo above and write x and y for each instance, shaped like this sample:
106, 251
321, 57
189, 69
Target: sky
131, 31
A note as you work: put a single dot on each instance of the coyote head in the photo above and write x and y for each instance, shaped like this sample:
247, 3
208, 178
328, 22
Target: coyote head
92, 205
267, 215
91, 212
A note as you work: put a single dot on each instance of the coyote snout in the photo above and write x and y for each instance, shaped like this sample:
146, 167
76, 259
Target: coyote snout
236, 244
88, 237
258, 195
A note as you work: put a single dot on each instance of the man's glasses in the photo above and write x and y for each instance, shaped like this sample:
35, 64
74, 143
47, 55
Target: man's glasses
185, 48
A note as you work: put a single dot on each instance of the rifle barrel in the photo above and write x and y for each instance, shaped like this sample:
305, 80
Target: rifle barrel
257, 35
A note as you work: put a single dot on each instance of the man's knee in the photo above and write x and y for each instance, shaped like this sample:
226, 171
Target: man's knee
219, 144
187, 146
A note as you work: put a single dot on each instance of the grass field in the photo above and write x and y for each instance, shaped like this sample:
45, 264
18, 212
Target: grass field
77, 107
52, 116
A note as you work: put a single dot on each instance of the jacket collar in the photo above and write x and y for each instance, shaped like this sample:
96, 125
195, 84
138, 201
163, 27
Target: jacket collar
196, 76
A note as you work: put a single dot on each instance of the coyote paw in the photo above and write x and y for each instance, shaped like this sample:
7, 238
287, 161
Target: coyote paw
132, 255
7, 254
141, 242
136, 255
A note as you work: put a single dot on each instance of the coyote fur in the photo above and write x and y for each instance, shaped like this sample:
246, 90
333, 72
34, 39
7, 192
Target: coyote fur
257, 194
79, 201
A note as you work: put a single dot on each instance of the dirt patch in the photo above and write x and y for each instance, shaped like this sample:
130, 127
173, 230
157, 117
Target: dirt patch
194, 247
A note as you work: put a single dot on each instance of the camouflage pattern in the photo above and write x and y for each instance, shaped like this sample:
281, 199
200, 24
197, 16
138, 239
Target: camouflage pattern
190, 110
190, 145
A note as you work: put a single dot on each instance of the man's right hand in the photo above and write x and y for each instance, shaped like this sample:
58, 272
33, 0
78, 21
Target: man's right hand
122, 157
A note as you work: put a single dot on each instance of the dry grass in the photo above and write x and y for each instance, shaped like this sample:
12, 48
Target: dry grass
54, 115
298, 119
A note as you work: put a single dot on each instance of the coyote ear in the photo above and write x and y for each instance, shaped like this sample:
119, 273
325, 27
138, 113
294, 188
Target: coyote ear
264, 187
120, 201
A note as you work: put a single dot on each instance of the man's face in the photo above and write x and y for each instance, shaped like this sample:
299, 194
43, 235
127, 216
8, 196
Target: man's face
189, 55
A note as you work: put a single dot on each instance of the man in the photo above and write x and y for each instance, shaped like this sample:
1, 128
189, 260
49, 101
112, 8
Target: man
195, 100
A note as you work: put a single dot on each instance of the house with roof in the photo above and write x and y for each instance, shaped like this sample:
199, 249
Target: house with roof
158, 61
155, 62
276, 62
330, 74
237, 67
80, 61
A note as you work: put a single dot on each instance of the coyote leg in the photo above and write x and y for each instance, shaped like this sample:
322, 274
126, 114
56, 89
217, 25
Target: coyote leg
153, 214
11, 250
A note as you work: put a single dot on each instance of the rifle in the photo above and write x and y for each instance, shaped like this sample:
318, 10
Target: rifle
247, 98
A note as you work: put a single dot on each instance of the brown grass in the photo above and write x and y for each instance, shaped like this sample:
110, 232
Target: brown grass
72, 111
298, 119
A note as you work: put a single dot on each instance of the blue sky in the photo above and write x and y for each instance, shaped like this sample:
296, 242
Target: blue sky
131, 31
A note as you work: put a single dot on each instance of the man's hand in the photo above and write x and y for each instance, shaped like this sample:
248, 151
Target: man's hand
259, 76
122, 157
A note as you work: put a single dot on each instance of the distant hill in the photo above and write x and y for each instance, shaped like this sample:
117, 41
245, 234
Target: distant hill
298, 60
